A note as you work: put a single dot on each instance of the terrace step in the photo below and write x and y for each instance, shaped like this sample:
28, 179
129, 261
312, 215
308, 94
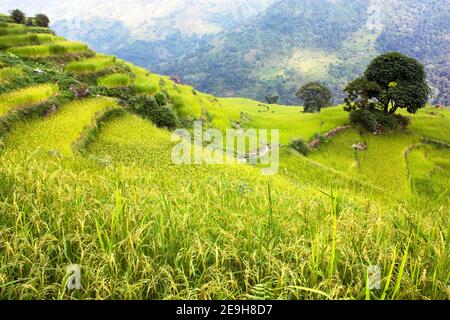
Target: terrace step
26, 97
57, 133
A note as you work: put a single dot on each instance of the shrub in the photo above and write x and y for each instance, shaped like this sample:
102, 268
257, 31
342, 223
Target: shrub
300, 146
364, 118
161, 98
18, 16
377, 120
161, 115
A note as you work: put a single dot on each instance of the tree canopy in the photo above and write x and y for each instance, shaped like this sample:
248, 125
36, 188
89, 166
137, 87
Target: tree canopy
392, 81
272, 99
18, 16
315, 96
42, 20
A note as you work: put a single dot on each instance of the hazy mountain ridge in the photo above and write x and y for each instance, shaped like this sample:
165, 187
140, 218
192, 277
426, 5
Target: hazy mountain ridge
327, 40
148, 32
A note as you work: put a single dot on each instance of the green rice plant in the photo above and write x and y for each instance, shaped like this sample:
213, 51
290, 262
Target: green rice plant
432, 123
26, 97
196, 232
12, 29
54, 49
26, 40
116, 80
91, 131
39, 30
58, 133
143, 85
95, 64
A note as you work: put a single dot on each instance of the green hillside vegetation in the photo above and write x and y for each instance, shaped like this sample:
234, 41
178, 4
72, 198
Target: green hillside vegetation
115, 80
331, 41
86, 178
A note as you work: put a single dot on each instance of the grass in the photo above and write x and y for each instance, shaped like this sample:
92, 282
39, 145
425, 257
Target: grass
95, 64
432, 123
47, 50
115, 80
57, 133
142, 228
386, 151
12, 29
26, 97
26, 40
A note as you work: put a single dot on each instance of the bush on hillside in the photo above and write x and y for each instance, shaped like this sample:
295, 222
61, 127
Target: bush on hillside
300, 146
42, 20
161, 98
378, 121
161, 115
364, 118
18, 16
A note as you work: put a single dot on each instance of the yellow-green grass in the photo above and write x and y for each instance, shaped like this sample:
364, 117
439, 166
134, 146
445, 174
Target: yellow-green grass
47, 50
142, 228
382, 164
95, 64
432, 123
11, 29
115, 80
33, 29
57, 133
26, 97
21, 40
143, 82
429, 171
9, 73
291, 121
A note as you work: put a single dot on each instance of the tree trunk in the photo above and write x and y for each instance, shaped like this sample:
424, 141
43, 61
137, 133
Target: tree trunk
393, 110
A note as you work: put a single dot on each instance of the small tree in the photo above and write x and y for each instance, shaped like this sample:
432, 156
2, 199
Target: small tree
18, 16
391, 81
29, 22
42, 20
315, 96
272, 99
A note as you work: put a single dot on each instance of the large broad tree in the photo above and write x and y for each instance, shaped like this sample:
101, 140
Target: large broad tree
18, 16
392, 81
315, 96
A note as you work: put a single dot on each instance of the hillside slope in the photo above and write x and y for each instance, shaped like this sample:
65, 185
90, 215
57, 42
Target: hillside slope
85, 180
147, 32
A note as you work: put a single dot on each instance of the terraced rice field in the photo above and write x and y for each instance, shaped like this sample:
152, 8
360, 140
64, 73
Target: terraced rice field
115, 80
9, 41
141, 227
57, 133
95, 64
26, 97
47, 50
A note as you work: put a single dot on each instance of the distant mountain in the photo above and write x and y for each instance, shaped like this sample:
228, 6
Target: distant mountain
148, 32
253, 48
296, 41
